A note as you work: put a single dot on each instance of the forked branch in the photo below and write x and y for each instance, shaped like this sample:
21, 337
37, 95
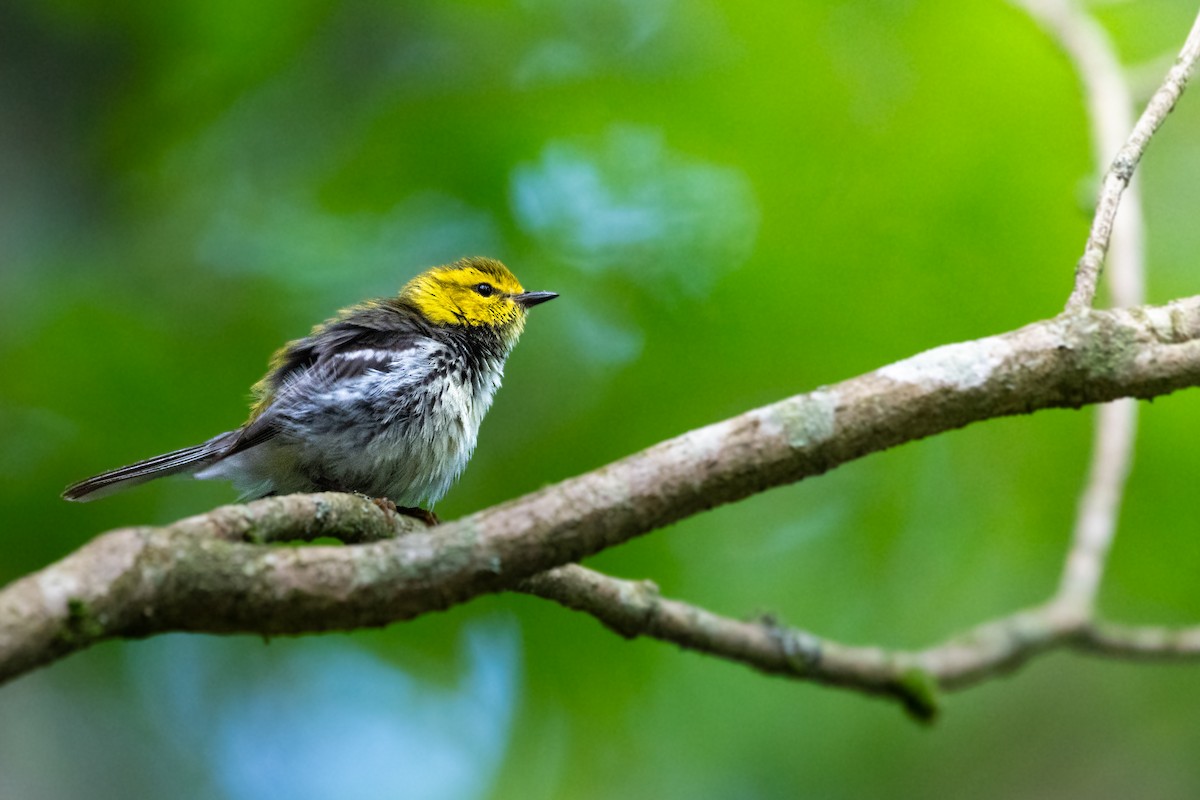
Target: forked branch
218, 573
208, 573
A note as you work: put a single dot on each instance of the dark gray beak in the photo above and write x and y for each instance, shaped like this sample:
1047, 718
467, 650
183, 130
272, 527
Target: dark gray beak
531, 299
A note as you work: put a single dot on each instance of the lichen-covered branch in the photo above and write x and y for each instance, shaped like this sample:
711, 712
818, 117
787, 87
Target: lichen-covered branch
207, 574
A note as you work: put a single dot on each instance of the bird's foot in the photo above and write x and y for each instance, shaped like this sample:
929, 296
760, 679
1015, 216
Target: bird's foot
428, 517
389, 507
385, 505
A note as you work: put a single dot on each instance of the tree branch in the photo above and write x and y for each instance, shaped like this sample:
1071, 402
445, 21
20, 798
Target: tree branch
195, 576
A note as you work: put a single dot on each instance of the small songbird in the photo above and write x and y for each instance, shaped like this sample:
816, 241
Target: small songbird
385, 399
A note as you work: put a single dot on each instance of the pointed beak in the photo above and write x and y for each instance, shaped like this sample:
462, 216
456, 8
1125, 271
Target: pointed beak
531, 299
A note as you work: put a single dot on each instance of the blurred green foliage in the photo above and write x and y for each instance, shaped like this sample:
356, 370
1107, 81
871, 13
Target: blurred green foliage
737, 202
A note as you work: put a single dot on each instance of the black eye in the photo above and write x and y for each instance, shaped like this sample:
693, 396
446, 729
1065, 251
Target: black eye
485, 289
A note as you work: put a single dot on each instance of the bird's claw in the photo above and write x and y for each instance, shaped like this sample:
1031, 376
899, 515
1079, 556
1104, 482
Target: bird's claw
385, 505
389, 507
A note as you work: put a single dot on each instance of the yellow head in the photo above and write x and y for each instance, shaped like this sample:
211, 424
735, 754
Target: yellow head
472, 291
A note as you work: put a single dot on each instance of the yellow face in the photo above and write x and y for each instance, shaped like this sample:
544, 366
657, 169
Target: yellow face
471, 291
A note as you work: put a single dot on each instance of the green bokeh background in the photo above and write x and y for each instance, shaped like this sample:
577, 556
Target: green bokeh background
737, 202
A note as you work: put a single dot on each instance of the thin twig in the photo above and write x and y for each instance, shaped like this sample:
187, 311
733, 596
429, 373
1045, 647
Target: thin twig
914, 678
1148, 643
1099, 506
1087, 271
1109, 103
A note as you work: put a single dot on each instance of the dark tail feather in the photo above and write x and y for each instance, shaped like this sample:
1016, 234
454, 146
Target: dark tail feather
189, 459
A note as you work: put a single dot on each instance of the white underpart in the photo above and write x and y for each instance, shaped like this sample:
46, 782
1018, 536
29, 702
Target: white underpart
410, 446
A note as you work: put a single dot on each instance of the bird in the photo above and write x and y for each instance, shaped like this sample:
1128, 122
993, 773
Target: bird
385, 399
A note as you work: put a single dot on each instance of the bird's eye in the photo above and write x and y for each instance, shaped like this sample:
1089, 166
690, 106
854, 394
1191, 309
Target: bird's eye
485, 289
